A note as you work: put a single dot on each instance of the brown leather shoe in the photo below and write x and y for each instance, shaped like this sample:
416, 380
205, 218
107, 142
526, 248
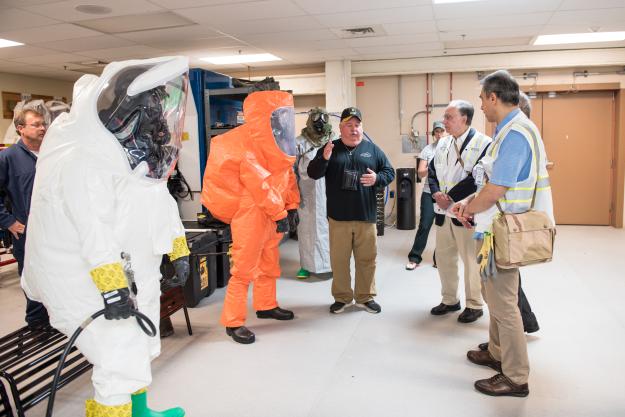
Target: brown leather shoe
500, 385
442, 308
484, 358
469, 315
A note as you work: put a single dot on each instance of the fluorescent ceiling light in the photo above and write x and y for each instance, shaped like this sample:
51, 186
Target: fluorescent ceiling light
241, 59
579, 38
452, 1
4, 43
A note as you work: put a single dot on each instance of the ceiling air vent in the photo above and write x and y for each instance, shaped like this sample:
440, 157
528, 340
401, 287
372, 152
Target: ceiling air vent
360, 32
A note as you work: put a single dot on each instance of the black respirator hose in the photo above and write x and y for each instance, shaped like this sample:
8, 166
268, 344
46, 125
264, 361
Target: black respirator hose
144, 322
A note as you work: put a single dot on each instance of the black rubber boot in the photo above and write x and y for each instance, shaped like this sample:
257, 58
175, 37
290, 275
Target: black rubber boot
241, 334
275, 313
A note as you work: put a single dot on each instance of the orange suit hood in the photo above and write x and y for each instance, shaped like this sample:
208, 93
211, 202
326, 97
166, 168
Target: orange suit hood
258, 109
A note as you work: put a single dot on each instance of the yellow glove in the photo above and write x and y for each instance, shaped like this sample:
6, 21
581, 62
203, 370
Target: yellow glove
179, 258
113, 284
180, 248
485, 254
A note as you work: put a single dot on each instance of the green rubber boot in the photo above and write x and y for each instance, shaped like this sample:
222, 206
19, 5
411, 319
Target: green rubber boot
302, 274
140, 407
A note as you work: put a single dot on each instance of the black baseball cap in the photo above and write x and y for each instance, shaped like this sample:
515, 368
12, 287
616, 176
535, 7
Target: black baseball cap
350, 112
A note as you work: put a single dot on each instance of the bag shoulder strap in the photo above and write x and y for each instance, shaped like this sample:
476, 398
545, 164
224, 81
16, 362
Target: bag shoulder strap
464, 145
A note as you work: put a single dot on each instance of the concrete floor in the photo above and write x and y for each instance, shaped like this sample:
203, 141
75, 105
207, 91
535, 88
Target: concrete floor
402, 362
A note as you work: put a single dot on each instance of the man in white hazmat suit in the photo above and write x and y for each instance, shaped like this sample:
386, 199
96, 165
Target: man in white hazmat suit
312, 230
101, 190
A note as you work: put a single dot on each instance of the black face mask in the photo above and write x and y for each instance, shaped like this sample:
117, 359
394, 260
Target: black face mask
143, 132
319, 126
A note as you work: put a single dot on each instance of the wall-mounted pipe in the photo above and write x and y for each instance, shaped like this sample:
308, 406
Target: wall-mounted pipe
427, 108
451, 82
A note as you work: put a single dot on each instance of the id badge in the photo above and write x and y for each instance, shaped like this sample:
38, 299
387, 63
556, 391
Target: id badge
478, 175
350, 180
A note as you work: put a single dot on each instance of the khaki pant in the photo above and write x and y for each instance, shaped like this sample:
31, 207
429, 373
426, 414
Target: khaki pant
361, 239
452, 241
507, 341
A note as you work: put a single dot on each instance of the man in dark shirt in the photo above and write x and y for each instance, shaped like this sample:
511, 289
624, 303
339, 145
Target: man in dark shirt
352, 168
17, 174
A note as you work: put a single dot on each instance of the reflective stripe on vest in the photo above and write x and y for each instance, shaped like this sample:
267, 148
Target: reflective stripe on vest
518, 199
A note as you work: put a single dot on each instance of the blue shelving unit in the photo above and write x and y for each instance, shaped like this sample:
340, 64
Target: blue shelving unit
217, 103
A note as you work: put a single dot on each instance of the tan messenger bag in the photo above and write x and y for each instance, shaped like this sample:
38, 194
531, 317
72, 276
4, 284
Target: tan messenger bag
522, 239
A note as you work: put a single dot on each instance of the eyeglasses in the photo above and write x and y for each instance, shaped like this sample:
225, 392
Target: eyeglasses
37, 125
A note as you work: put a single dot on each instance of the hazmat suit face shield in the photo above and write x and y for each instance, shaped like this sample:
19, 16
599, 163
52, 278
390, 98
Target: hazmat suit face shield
56, 108
283, 128
149, 124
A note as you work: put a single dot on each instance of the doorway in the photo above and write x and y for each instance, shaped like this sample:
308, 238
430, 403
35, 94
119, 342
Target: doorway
578, 131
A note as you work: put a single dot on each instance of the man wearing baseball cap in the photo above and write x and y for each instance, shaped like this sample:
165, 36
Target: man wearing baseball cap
352, 168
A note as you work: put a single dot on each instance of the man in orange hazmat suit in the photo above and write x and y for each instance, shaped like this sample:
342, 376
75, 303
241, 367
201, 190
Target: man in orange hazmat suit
249, 183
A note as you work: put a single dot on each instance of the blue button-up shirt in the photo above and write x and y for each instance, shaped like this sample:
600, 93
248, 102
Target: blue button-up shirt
515, 156
17, 175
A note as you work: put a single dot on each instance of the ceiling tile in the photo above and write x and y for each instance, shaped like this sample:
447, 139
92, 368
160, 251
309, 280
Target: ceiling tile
398, 55
585, 4
183, 4
11, 19
487, 23
266, 9
171, 34
65, 10
489, 42
133, 23
50, 59
373, 17
23, 51
127, 52
482, 9
293, 37
390, 41
481, 33
5, 65
49, 33
285, 24
304, 47
60, 75
589, 18
203, 52
407, 28
575, 28
24, 3
408, 49
206, 44
85, 44
345, 6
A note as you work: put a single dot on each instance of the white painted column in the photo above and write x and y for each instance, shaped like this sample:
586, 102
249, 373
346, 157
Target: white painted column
340, 92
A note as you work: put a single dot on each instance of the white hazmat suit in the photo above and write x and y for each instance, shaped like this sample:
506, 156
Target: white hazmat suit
313, 228
99, 191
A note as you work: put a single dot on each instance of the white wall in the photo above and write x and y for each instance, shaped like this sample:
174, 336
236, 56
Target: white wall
15, 83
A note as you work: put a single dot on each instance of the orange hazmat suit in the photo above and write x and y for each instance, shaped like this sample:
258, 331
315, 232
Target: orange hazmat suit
249, 183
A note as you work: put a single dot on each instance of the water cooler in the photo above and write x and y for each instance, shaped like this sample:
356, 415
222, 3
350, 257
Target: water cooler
406, 206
